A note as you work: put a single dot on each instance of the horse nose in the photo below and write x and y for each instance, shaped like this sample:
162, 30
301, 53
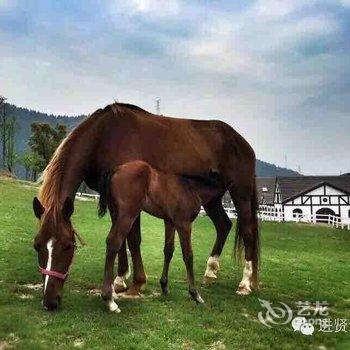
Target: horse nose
51, 304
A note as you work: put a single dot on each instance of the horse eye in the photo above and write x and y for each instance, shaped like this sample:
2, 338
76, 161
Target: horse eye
68, 246
37, 246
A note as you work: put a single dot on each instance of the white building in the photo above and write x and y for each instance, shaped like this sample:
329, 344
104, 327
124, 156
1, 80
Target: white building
306, 196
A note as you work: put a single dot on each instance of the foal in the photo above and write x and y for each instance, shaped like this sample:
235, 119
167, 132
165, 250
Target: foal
136, 186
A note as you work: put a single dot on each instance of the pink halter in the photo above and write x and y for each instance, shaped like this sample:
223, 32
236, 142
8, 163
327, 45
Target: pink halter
59, 275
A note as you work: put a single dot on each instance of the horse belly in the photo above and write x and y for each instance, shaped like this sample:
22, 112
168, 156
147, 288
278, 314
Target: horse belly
150, 208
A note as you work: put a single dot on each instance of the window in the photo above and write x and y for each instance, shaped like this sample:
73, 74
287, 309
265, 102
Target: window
297, 213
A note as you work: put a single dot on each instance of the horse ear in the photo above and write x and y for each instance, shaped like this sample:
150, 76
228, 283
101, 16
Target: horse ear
38, 208
68, 208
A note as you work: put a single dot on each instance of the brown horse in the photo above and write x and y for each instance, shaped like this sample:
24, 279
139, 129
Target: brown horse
120, 133
136, 186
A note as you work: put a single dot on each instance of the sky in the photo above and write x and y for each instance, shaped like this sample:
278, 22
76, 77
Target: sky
277, 71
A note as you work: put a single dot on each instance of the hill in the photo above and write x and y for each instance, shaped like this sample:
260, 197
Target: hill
25, 117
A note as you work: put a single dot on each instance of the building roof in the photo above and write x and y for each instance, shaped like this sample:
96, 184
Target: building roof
292, 186
266, 188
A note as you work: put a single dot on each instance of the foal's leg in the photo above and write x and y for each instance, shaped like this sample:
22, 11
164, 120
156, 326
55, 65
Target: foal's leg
223, 225
134, 242
139, 279
168, 254
114, 242
187, 254
123, 270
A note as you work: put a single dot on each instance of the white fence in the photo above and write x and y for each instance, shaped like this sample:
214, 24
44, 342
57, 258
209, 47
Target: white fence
268, 213
86, 196
331, 220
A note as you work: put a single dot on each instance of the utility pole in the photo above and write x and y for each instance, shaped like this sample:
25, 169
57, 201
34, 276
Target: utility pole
158, 106
3, 129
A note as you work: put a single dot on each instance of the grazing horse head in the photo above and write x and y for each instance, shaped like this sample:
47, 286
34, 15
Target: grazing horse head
55, 245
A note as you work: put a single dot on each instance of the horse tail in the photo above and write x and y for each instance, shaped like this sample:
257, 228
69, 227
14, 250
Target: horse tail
256, 235
104, 189
253, 238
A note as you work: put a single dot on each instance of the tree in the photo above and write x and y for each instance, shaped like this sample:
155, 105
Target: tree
8, 129
31, 163
44, 140
3, 129
11, 128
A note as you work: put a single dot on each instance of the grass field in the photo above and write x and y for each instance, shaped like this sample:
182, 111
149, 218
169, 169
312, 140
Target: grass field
299, 262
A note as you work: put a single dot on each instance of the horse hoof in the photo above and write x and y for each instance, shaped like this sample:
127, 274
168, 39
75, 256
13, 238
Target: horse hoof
164, 286
113, 307
199, 299
119, 285
165, 291
209, 279
243, 290
127, 295
212, 269
196, 297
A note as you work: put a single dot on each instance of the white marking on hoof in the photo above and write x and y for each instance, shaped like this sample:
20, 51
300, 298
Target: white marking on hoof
119, 284
245, 286
113, 307
199, 299
213, 267
243, 290
130, 296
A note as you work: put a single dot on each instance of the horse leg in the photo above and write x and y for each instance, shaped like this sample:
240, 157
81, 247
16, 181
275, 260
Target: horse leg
168, 254
123, 270
184, 231
114, 242
248, 234
223, 225
134, 242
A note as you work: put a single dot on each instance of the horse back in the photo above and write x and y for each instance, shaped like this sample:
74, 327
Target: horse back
172, 145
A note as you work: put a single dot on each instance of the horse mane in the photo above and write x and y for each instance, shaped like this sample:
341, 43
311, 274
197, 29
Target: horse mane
49, 193
125, 105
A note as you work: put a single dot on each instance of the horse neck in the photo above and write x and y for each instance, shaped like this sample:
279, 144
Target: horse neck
62, 178
70, 184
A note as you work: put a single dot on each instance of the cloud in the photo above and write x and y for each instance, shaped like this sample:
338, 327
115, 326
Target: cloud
155, 9
276, 71
345, 3
7, 4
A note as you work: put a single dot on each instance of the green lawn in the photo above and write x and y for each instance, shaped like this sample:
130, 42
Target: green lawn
299, 262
